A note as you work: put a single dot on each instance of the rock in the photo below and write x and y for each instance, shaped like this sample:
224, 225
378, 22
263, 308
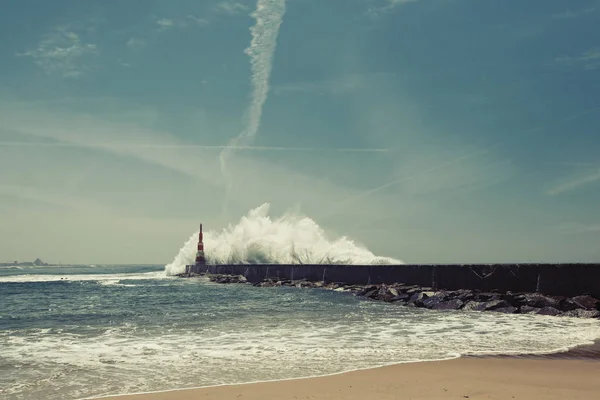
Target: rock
494, 304
400, 297
506, 310
549, 311
513, 299
365, 290
454, 304
585, 302
417, 299
431, 301
529, 310
463, 294
486, 296
393, 291
579, 313
475, 306
485, 305
537, 300
384, 294
567, 305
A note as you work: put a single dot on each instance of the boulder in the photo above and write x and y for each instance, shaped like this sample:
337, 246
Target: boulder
454, 304
475, 306
585, 302
366, 289
494, 304
463, 294
434, 299
417, 299
567, 305
549, 311
506, 310
486, 296
485, 305
400, 297
384, 294
537, 300
579, 313
529, 310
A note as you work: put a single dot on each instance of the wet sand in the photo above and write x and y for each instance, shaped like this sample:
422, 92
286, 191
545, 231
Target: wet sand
573, 375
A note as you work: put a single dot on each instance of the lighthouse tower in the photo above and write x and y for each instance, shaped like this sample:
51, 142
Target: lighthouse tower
200, 260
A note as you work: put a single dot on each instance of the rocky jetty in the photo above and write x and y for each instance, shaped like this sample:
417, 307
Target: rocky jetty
583, 306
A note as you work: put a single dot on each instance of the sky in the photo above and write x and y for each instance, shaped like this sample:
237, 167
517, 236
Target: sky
427, 130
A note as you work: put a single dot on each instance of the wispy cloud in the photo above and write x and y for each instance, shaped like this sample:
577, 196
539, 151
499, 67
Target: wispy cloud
230, 7
121, 139
385, 6
589, 59
165, 24
343, 84
62, 52
578, 228
189, 21
134, 43
122, 145
417, 175
568, 14
198, 21
46, 196
575, 182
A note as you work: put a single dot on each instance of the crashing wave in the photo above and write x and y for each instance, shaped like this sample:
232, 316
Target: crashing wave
289, 239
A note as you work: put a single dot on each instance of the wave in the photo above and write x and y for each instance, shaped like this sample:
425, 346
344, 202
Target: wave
100, 278
289, 239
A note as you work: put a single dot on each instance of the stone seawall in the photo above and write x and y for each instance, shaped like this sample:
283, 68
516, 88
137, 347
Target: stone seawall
550, 279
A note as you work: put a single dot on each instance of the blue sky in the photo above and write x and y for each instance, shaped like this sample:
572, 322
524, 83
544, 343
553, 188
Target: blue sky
477, 124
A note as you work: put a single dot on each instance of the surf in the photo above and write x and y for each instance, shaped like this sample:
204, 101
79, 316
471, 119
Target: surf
291, 238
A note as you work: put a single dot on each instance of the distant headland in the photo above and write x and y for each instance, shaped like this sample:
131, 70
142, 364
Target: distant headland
36, 263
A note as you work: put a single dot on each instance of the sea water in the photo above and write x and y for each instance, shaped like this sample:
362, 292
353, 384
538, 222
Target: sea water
78, 332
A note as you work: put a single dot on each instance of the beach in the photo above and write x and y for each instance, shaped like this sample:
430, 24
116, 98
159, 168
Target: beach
91, 332
473, 378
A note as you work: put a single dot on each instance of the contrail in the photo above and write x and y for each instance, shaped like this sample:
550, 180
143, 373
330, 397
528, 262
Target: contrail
193, 146
369, 192
269, 16
523, 135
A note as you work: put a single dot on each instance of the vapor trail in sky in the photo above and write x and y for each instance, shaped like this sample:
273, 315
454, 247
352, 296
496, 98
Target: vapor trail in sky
268, 16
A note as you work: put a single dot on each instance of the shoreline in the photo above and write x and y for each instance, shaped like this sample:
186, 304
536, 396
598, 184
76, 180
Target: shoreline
578, 356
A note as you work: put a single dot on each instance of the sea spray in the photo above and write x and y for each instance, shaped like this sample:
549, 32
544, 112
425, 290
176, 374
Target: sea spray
289, 239
268, 16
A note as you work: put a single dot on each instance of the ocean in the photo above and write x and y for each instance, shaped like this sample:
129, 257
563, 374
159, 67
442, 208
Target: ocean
88, 331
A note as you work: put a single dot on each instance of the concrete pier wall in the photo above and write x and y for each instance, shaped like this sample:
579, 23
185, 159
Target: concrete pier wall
551, 279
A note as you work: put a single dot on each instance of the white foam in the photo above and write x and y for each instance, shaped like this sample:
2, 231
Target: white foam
102, 278
289, 239
254, 349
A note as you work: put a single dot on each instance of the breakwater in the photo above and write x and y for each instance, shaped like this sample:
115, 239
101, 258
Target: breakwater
551, 279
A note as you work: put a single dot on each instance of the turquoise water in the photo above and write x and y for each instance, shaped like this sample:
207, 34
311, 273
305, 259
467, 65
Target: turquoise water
76, 332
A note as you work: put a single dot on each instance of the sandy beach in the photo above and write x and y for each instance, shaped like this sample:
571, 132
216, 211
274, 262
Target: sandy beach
473, 378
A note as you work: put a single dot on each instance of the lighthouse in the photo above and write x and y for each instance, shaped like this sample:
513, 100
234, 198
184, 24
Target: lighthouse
200, 260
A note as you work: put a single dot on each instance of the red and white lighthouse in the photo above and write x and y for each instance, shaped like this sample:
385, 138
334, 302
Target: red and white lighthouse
200, 260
